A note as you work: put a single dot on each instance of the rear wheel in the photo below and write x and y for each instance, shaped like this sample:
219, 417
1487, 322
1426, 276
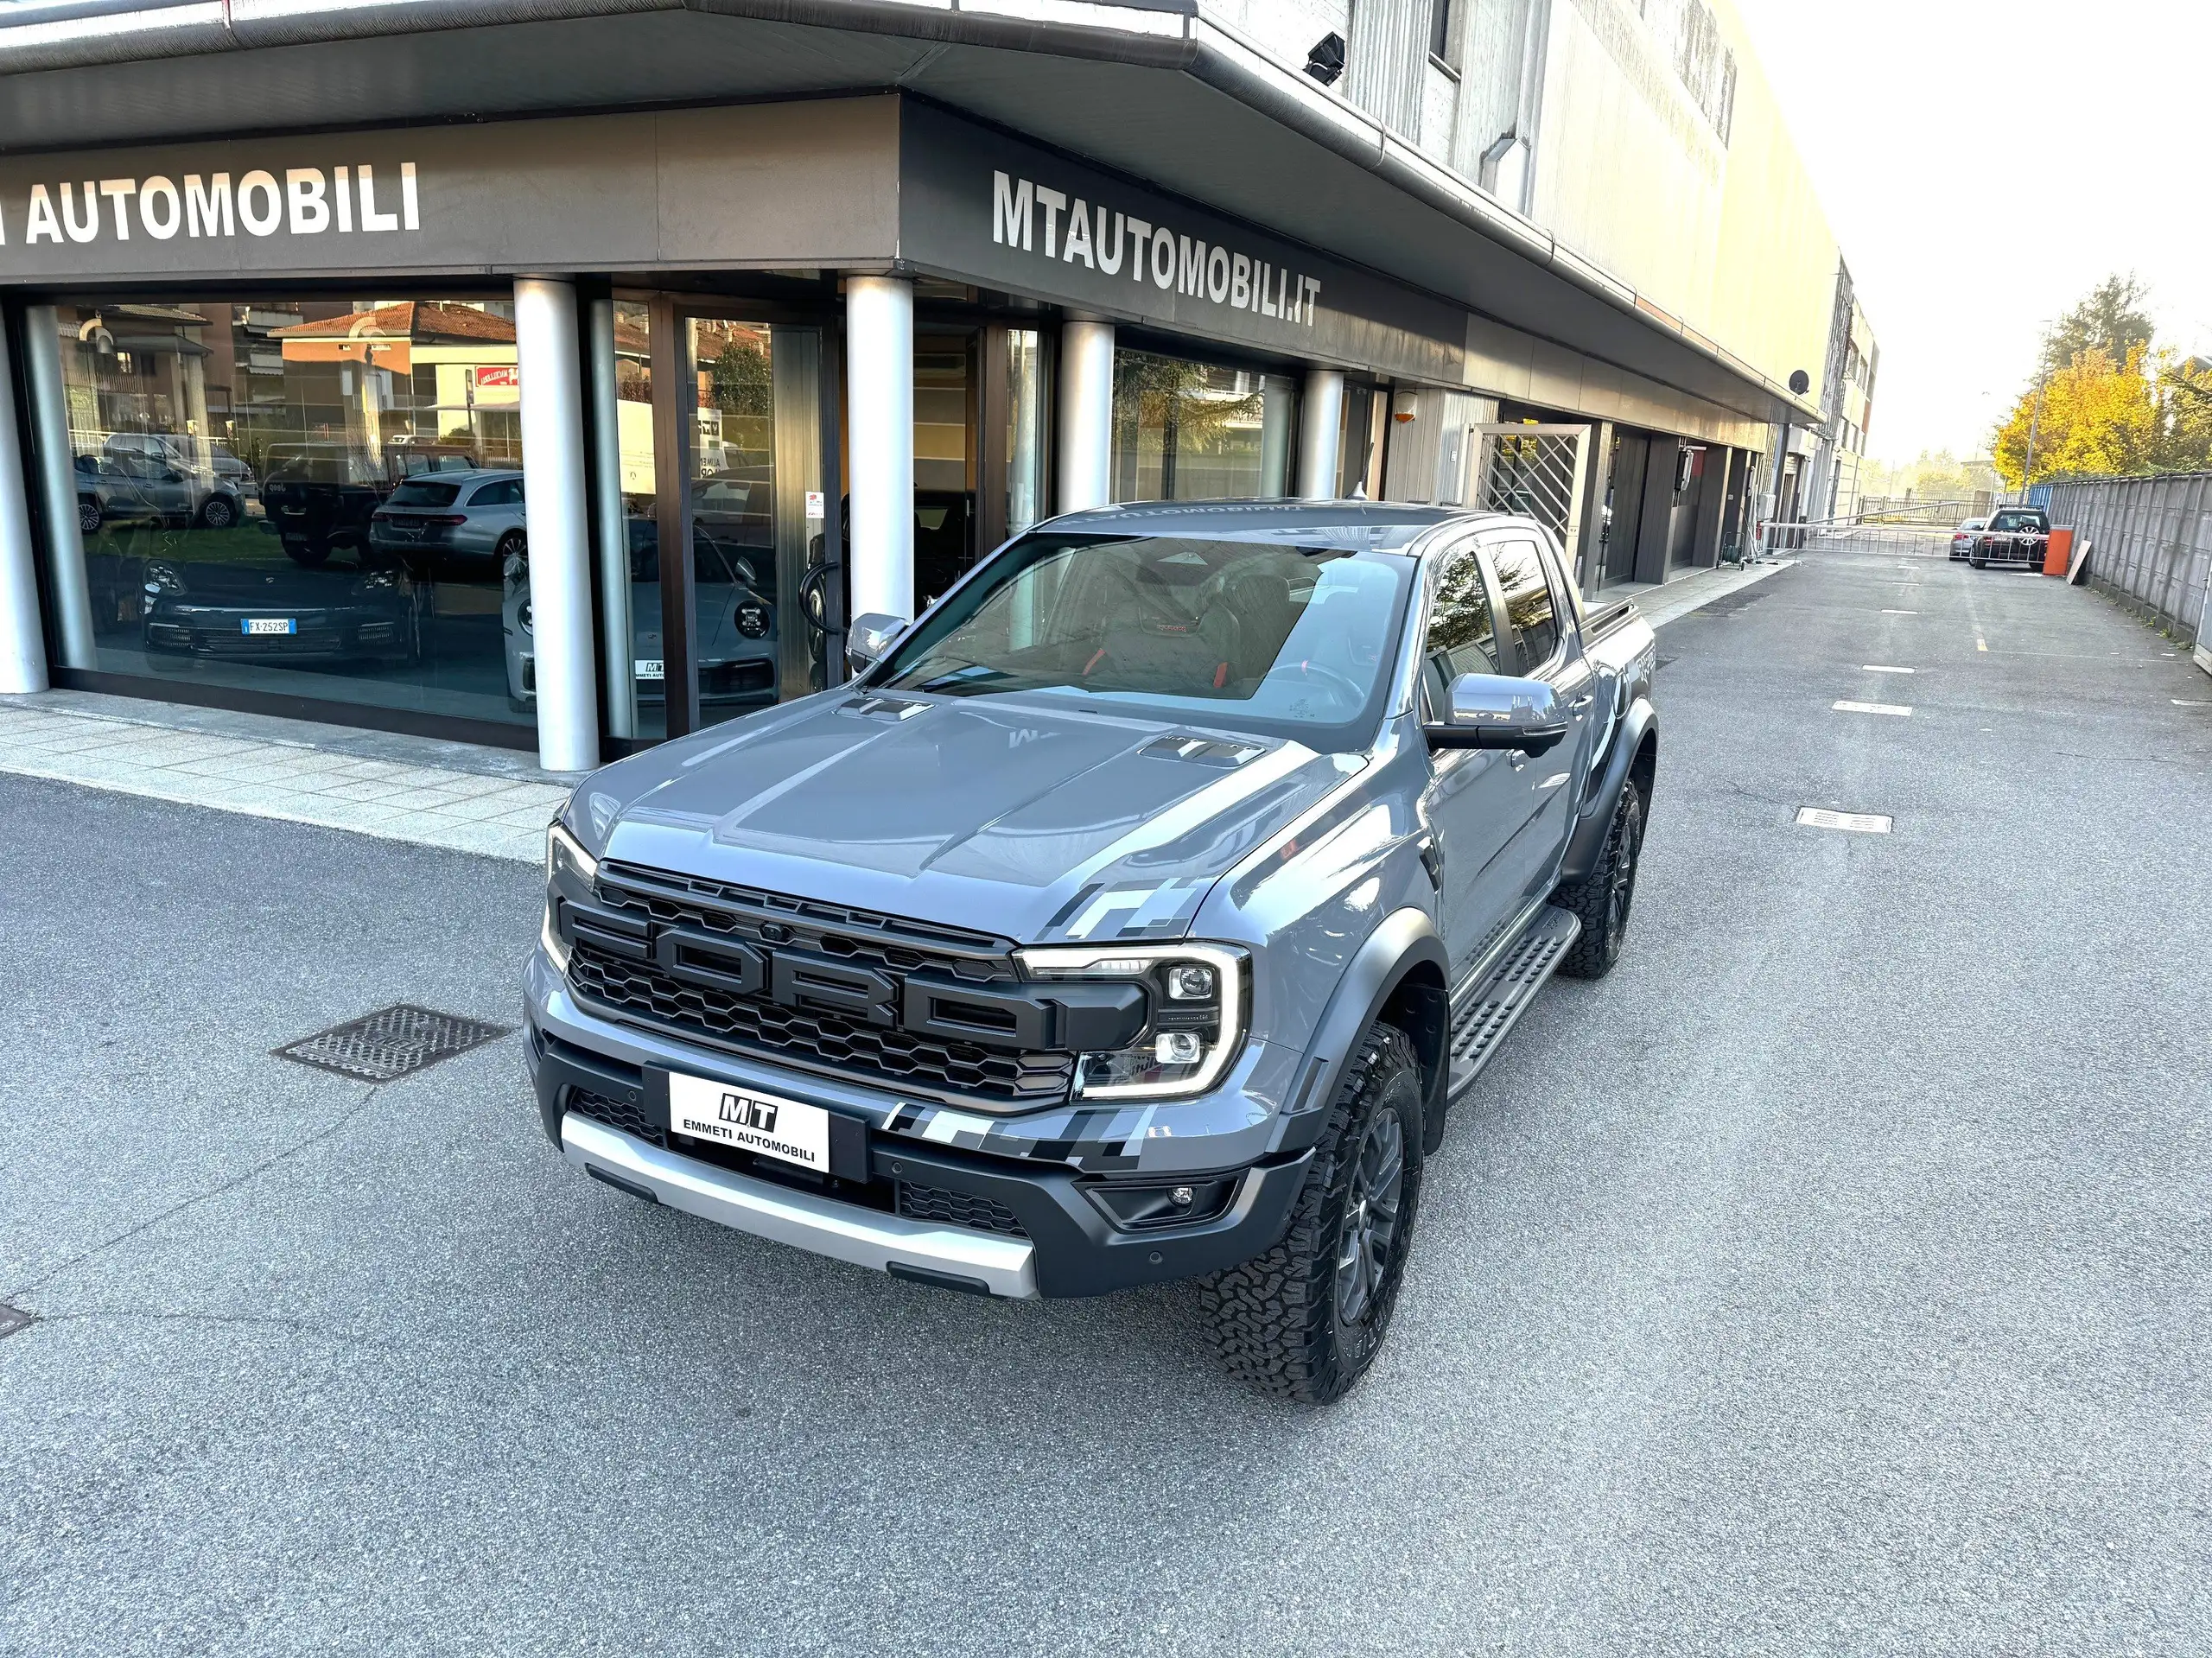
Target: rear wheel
1305, 1321
217, 512
1601, 899
88, 514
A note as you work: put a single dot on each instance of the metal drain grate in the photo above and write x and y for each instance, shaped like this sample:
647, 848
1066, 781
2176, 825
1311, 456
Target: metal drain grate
13, 1319
392, 1042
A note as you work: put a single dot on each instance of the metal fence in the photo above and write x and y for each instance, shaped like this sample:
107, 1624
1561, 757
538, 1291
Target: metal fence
1779, 538
2150, 546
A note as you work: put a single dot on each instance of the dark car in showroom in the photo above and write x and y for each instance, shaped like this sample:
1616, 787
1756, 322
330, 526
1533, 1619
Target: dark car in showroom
280, 611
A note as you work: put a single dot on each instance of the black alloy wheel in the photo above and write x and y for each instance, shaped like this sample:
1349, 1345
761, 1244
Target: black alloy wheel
1368, 1245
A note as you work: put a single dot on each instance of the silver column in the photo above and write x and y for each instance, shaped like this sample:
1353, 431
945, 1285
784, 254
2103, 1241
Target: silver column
22, 641
57, 477
560, 534
1086, 414
1318, 433
614, 526
880, 439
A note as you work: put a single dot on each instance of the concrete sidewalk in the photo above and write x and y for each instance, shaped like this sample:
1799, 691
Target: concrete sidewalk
450, 795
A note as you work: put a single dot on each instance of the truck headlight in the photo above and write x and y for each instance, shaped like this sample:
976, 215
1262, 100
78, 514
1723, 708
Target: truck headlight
1198, 994
564, 854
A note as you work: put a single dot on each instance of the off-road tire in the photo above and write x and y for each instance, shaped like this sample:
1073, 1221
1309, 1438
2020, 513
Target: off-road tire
1601, 900
310, 555
1277, 1318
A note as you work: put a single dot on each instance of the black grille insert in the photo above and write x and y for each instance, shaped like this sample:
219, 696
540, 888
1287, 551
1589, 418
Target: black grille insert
615, 1114
643, 992
948, 1208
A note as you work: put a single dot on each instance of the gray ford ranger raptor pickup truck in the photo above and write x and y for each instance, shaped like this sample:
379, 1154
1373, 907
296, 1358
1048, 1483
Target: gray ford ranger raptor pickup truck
1136, 913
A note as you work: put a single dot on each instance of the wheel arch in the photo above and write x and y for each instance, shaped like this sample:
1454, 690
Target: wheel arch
1399, 974
1634, 753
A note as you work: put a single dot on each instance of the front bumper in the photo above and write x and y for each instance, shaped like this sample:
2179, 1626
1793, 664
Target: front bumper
1055, 1237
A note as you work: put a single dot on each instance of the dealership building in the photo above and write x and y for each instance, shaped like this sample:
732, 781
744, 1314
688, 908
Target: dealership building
564, 375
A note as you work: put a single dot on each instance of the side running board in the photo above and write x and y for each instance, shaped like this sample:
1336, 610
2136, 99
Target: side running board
1479, 1029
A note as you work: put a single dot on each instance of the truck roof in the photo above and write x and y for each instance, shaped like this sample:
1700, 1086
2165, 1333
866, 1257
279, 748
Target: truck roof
1219, 517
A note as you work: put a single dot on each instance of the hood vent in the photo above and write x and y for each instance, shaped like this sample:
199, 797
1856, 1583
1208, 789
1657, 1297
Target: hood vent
893, 708
1204, 751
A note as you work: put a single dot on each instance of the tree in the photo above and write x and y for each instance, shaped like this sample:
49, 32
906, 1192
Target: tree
2109, 319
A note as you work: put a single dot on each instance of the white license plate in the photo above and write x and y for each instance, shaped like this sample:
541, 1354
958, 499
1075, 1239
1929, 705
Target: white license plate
748, 1120
649, 667
268, 625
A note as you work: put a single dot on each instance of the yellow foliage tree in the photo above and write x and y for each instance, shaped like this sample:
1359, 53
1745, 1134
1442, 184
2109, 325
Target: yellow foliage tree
2097, 418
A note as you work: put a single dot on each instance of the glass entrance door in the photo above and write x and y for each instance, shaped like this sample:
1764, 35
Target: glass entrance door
718, 422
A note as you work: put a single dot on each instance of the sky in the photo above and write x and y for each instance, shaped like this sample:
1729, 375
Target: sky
1984, 163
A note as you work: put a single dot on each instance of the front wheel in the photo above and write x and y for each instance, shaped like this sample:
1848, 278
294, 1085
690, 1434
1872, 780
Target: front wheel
89, 514
1305, 1320
1601, 899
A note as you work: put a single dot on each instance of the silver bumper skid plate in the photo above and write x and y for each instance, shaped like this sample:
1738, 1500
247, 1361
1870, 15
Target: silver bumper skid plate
843, 1231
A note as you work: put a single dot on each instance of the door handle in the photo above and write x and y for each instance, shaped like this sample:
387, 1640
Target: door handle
1582, 702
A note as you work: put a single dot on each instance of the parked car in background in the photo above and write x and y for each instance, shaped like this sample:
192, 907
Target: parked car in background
2016, 536
134, 485
1135, 915
320, 496
1962, 537
464, 523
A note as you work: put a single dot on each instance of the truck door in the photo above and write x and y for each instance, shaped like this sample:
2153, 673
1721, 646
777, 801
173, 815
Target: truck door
1475, 801
1541, 643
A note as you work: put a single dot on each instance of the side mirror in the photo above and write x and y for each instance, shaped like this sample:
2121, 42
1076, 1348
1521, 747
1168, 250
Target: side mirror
868, 638
1499, 711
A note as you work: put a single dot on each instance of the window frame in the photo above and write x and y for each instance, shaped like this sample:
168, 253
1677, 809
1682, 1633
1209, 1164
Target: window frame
1470, 547
1491, 543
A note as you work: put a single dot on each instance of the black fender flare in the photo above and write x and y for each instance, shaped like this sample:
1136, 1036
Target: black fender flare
1405, 940
1597, 814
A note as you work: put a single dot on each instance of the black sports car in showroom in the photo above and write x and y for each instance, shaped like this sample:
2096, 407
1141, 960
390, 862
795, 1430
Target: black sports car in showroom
281, 612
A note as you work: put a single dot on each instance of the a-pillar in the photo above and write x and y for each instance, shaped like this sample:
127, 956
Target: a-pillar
1319, 424
1086, 434
554, 480
23, 642
879, 442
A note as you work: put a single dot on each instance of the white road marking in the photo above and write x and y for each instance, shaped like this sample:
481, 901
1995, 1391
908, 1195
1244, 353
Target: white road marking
1857, 822
1981, 645
1877, 668
2183, 702
1900, 612
1871, 708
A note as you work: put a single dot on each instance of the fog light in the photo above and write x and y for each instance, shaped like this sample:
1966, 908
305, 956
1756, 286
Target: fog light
1190, 983
1182, 1196
1178, 1048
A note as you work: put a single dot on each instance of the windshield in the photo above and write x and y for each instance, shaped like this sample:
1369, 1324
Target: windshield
1276, 633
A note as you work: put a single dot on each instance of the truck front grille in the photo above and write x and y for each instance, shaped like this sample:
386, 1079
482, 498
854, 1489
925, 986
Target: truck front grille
643, 992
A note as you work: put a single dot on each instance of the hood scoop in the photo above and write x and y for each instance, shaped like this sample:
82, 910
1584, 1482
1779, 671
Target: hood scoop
1217, 752
891, 709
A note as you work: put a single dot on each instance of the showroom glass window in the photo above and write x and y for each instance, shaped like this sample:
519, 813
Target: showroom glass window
1191, 431
314, 498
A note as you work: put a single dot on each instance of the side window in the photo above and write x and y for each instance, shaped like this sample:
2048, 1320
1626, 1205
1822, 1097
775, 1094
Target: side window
1529, 612
1462, 638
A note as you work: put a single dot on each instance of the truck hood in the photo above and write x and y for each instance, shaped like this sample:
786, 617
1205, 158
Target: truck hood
996, 815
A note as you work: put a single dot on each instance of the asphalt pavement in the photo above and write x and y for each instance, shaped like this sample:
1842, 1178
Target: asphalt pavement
1830, 1279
